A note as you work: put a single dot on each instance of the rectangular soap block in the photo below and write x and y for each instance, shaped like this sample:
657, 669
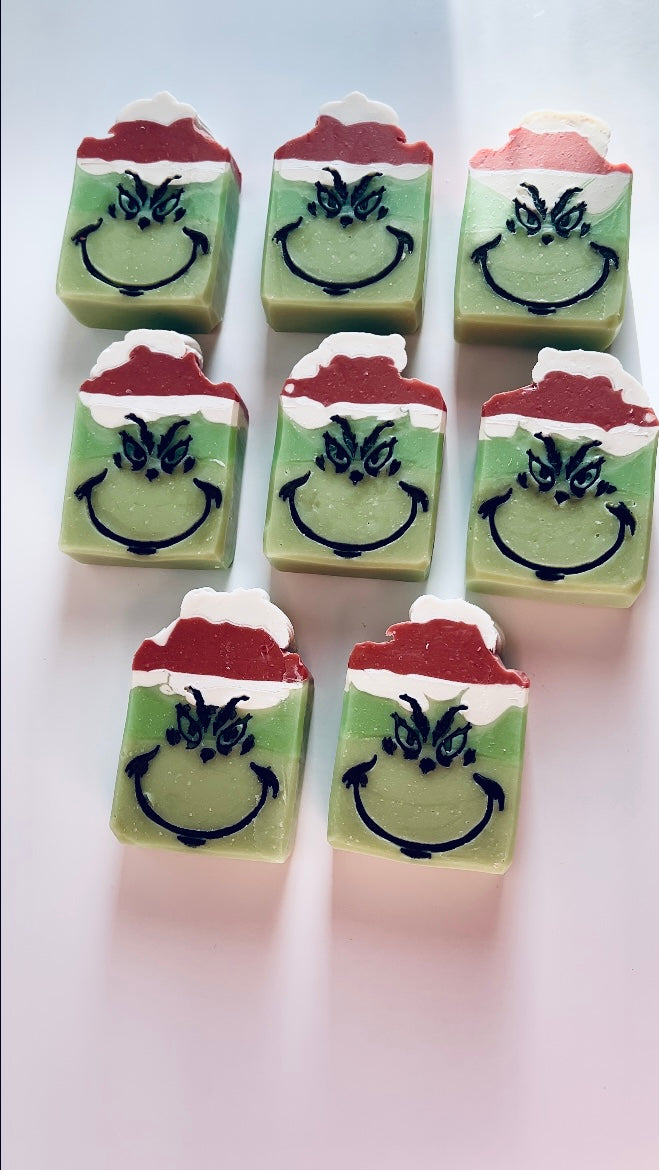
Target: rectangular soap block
215, 738
562, 503
348, 223
156, 459
544, 241
431, 743
355, 477
151, 223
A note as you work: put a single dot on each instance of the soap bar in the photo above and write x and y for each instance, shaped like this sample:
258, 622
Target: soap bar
544, 238
151, 224
357, 463
431, 743
347, 229
216, 731
562, 505
156, 459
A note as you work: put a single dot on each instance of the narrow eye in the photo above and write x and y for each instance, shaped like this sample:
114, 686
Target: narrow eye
379, 456
570, 219
230, 735
452, 745
407, 737
188, 726
530, 220
336, 452
368, 203
166, 206
542, 473
585, 477
127, 202
175, 455
134, 451
330, 202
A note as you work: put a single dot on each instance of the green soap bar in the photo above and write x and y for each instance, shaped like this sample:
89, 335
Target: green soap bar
358, 454
562, 504
151, 224
431, 743
216, 731
544, 240
348, 222
156, 459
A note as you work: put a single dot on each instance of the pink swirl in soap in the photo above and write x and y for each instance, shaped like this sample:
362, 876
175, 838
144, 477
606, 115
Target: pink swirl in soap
148, 372
439, 649
361, 379
183, 141
361, 143
572, 398
222, 650
566, 151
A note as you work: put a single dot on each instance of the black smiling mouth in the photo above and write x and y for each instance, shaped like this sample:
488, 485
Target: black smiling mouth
543, 308
199, 244
137, 768
336, 288
347, 549
213, 499
621, 512
356, 778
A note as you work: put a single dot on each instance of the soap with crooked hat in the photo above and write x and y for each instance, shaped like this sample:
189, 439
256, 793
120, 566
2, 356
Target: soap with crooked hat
348, 224
355, 477
431, 743
544, 240
156, 459
151, 223
213, 750
563, 491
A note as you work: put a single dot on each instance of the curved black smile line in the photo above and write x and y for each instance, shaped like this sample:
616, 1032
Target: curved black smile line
199, 244
137, 768
542, 308
145, 548
555, 572
345, 549
336, 288
357, 778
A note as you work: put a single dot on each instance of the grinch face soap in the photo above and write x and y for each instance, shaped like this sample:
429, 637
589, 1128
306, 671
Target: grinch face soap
545, 237
358, 455
216, 731
151, 224
348, 220
431, 743
562, 505
156, 459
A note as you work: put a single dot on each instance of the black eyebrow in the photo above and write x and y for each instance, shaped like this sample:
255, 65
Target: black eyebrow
339, 185
563, 199
540, 205
349, 436
443, 724
361, 186
160, 191
145, 433
140, 189
552, 451
369, 441
576, 459
169, 434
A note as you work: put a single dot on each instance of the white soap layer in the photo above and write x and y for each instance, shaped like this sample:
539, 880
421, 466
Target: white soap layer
485, 702
429, 608
155, 173
593, 129
352, 345
299, 170
110, 410
312, 415
617, 441
590, 364
355, 107
600, 192
262, 693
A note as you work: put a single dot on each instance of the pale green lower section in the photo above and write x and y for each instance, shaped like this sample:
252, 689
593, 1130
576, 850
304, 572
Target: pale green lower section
575, 532
197, 796
123, 252
325, 250
133, 507
524, 266
338, 510
441, 806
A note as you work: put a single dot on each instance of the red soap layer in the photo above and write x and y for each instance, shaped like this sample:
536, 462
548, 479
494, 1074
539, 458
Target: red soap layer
572, 398
567, 151
361, 379
158, 375
440, 649
184, 141
363, 142
220, 649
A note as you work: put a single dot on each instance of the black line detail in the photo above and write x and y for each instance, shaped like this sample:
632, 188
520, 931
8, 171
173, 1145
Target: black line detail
543, 308
199, 242
334, 288
144, 548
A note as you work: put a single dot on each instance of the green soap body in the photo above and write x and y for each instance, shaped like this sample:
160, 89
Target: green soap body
202, 797
524, 266
122, 252
355, 514
135, 508
576, 532
330, 253
437, 808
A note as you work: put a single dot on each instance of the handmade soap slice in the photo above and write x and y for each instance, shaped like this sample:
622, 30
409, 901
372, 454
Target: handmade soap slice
562, 505
151, 224
156, 459
216, 731
544, 238
358, 455
347, 230
431, 743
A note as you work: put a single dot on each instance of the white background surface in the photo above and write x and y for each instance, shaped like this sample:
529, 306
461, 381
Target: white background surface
168, 1011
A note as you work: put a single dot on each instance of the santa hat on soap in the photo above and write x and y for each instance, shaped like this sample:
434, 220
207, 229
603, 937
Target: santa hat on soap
555, 151
158, 138
447, 650
223, 643
156, 373
580, 395
358, 375
354, 135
